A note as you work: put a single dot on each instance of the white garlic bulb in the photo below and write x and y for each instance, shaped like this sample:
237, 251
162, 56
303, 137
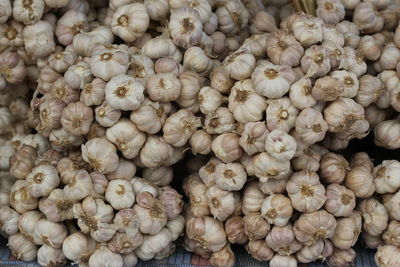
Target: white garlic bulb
103, 257
9, 220
42, 180
282, 240
277, 209
385, 177
151, 213
119, 194
22, 248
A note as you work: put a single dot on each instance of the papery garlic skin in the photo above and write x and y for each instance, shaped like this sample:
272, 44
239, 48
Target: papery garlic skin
340, 201
39, 47
272, 81
282, 240
20, 198
281, 261
385, 177
119, 194
50, 233
280, 145
252, 198
78, 248
42, 180
22, 248
255, 226
311, 227
151, 213
27, 13
391, 234
281, 114
234, 229
103, 257
27, 224
320, 250
342, 257
277, 209
153, 244
386, 255
333, 168
347, 231
226, 147
305, 191
48, 255
179, 127
230, 176
375, 216
9, 220
360, 179
100, 154
222, 203
124, 92
267, 167
185, 27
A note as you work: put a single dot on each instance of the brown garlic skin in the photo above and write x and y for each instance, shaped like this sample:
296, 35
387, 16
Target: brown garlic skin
341, 257
318, 251
391, 234
255, 227
375, 216
305, 191
223, 258
282, 240
311, 227
347, 231
333, 168
234, 229
340, 201
259, 250
359, 179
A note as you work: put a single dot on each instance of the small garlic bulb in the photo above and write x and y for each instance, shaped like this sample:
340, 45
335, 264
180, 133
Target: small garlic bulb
42, 180
245, 104
281, 114
230, 176
280, 145
282, 240
223, 258
347, 231
313, 226
226, 147
209, 99
267, 167
342, 257
153, 244
200, 142
124, 92
27, 224
340, 201
283, 261
119, 194
327, 89
56, 207
300, 94
239, 65
252, 198
195, 189
222, 203
47, 256
391, 234
157, 152
172, 202
179, 127
255, 226
79, 187
316, 62
208, 231
385, 177
78, 248
333, 168
163, 87
20, 198
259, 250
253, 137
185, 27
8, 220
330, 11
124, 243
235, 232
307, 30
318, 251
277, 209
305, 191
284, 49
272, 81
50, 233
359, 179
100, 154
152, 214
374, 215
221, 121
103, 257
22, 248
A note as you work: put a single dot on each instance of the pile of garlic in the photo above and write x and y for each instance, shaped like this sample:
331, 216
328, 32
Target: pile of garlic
102, 102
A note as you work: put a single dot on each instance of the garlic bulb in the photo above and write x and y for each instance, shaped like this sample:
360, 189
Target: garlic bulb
375, 216
280, 145
255, 226
119, 194
272, 81
47, 256
283, 261
163, 87
318, 251
20, 198
224, 257
342, 257
157, 152
252, 198
267, 167
234, 229
221, 121
239, 65
195, 189
152, 214
230, 176
360, 179
185, 27
124, 243
172, 202
300, 94
282, 240
226, 147
175, 227
103, 257
340, 201
305, 191
27, 224
347, 231
153, 244
100, 154
9, 220
79, 187
284, 49
78, 248
208, 231
179, 127
22, 248
42, 180
391, 234
56, 207
94, 218
259, 250
50, 233
385, 177
333, 168
222, 203
281, 114
313, 226
277, 209
245, 104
